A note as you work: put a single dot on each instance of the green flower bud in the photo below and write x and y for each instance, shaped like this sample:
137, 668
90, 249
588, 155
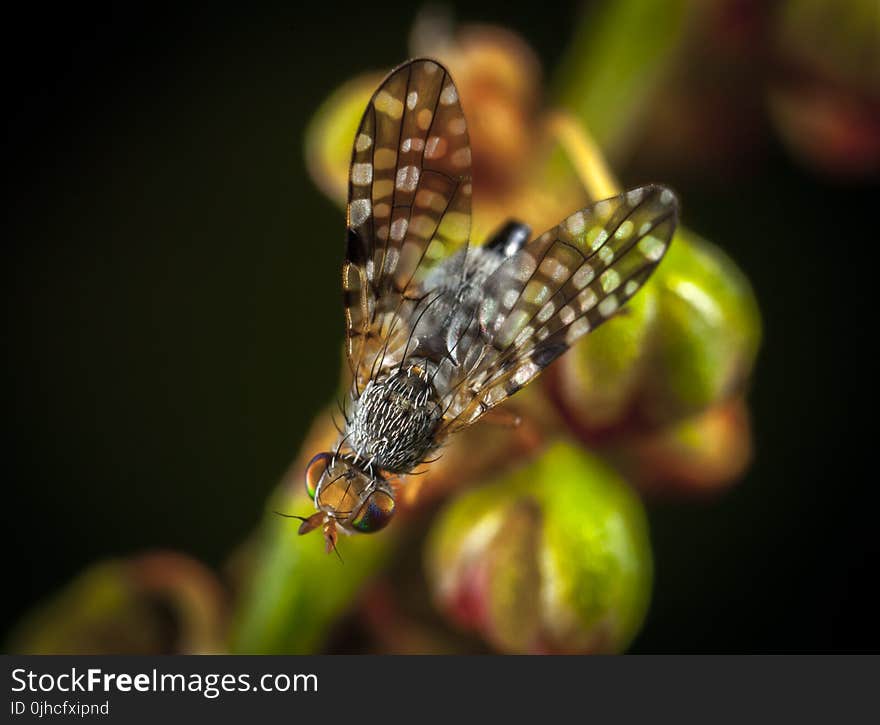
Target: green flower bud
598, 380
707, 332
687, 341
554, 557
123, 606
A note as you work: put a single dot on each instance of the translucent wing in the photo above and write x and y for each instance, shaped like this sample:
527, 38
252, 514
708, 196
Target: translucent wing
558, 288
409, 207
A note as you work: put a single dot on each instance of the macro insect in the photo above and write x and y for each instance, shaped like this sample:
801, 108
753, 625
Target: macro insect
439, 332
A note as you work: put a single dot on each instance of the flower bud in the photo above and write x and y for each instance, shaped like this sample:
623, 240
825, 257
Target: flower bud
554, 557
699, 455
825, 96
123, 607
330, 134
596, 382
498, 78
707, 333
687, 341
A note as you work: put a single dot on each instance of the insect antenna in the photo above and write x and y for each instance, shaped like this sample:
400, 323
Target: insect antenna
304, 519
338, 555
290, 516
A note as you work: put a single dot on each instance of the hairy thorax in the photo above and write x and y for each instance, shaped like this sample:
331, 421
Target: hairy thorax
394, 421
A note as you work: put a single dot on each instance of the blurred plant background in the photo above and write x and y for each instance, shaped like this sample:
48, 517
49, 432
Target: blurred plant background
686, 479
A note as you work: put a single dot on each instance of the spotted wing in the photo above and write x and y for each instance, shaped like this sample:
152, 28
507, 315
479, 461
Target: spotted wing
558, 288
409, 207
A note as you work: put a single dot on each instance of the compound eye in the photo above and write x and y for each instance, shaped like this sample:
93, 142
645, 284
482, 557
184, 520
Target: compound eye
315, 472
375, 513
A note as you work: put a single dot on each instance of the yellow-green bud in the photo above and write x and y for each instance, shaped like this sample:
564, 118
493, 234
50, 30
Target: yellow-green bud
554, 557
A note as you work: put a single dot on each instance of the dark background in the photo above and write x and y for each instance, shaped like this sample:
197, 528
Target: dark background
172, 327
